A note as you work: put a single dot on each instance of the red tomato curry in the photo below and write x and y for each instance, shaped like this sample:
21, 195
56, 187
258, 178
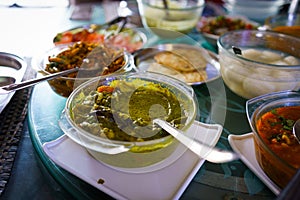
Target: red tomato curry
276, 129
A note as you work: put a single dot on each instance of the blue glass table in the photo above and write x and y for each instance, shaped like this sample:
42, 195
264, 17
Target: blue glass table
213, 181
217, 104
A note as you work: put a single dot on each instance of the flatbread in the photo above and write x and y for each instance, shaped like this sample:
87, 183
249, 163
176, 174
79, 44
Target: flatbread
194, 56
195, 76
155, 67
174, 61
188, 77
184, 60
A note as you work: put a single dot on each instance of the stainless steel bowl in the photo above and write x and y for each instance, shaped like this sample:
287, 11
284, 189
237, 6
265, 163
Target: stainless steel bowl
12, 70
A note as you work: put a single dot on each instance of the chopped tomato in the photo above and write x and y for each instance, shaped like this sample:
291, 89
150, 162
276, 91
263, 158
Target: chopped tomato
105, 88
94, 37
80, 35
67, 37
124, 41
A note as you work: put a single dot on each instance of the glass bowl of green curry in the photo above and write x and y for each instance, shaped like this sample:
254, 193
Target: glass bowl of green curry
112, 117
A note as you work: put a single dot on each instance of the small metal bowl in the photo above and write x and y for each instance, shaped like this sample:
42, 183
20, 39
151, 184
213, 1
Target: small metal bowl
12, 70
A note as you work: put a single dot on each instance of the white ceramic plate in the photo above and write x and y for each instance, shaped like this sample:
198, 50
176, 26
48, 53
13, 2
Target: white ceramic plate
244, 145
12, 70
168, 182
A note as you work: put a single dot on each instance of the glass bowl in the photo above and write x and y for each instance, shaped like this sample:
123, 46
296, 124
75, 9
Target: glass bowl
280, 23
128, 139
257, 10
181, 16
100, 61
270, 62
277, 152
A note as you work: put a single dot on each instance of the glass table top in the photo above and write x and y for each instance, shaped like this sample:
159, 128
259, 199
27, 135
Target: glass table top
217, 105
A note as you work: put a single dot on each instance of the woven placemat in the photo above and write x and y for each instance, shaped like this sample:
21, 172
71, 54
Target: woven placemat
11, 126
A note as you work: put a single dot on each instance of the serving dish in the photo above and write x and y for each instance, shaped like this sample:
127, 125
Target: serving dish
112, 33
212, 27
283, 23
257, 10
92, 59
209, 70
112, 117
271, 118
12, 70
174, 173
267, 62
178, 16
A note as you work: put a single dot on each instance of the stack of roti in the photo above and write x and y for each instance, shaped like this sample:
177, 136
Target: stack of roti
188, 64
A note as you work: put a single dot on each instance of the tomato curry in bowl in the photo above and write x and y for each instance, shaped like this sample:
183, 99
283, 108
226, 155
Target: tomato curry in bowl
271, 118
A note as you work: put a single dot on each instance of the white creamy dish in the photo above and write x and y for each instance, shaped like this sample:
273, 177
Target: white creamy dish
251, 79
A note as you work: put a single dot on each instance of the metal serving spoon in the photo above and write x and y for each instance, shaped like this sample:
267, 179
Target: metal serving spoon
17, 86
211, 154
296, 130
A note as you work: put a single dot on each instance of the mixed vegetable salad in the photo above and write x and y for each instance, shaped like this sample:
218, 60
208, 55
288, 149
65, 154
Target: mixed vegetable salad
222, 24
128, 39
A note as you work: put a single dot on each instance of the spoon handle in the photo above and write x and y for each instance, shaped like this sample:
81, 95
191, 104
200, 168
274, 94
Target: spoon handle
293, 7
211, 154
292, 12
25, 84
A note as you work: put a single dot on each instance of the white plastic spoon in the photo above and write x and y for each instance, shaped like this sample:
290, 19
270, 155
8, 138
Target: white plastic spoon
211, 154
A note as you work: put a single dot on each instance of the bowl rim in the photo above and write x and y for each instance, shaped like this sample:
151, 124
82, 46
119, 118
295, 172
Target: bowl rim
41, 62
157, 77
258, 32
197, 6
263, 102
282, 17
256, 2
210, 36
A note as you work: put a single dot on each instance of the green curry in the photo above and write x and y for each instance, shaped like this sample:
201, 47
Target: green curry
124, 110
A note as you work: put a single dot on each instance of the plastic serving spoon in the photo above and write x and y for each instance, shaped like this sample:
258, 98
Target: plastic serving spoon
296, 130
17, 86
211, 154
